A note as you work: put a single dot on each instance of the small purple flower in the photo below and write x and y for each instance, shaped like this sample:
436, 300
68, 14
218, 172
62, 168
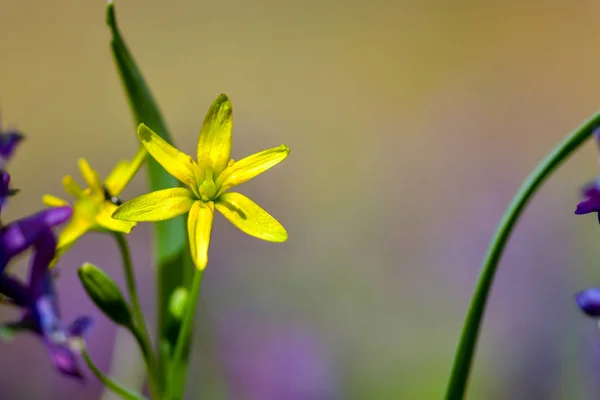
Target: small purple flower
591, 193
20, 234
589, 301
8, 143
40, 311
269, 361
5, 189
9, 140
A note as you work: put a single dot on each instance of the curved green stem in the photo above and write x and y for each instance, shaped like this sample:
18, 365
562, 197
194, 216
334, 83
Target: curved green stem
468, 340
140, 330
178, 370
109, 383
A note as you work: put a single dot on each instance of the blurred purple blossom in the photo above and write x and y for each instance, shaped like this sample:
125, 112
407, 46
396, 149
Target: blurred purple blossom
9, 139
39, 305
8, 143
274, 363
591, 202
588, 301
19, 235
591, 191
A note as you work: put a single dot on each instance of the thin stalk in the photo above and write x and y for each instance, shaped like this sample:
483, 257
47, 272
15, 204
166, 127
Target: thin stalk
107, 382
466, 348
140, 330
178, 370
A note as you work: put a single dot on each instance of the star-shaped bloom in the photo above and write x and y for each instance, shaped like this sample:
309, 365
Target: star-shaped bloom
39, 304
94, 205
19, 235
207, 181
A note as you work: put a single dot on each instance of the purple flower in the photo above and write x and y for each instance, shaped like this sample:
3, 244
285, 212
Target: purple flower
591, 193
8, 143
589, 301
20, 234
5, 189
9, 140
269, 361
39, 305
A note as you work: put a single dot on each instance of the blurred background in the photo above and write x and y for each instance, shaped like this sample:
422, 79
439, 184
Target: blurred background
411, 125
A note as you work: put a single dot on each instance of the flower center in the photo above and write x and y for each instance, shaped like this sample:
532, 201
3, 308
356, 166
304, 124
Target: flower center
207, 189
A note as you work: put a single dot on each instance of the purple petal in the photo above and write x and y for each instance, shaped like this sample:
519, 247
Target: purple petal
589, 301
4, 187
42, 296
588, 206
80, 326
8, 143
20, 234
14, 290
64, 359
591, 202
591, 189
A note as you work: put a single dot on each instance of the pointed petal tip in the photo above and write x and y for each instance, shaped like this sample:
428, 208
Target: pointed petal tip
59, 215
222, 98
144, 133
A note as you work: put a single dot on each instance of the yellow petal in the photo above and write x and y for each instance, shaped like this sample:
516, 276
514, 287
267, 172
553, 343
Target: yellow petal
177, 163
250, 217
105, 220
72, 187
199, 227
53, 201
248, 167
156, 206
214, 143
124, 171
79, 224
91, 176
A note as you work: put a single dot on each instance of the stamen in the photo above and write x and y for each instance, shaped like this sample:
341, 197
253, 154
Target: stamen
113, 199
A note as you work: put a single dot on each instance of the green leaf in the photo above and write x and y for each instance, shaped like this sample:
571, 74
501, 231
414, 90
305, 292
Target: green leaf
105, 293
174, 265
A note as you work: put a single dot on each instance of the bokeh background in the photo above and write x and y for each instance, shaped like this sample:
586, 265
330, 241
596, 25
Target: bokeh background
411, 125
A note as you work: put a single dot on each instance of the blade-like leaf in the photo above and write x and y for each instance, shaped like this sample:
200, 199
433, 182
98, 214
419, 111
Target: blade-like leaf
174, 265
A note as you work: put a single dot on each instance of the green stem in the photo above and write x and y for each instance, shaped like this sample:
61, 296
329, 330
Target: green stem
468, 340
173, 262
140, 330
178, 370
109, 383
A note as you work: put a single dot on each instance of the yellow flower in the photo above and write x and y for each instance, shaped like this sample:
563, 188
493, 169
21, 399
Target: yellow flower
206, 181
93, 206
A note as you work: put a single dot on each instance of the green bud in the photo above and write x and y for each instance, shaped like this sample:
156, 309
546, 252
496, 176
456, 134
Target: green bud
178, 303
105, 293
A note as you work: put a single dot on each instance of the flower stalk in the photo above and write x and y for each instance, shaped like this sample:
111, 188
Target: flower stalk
179, 364
139, 328
113, 386
463, 359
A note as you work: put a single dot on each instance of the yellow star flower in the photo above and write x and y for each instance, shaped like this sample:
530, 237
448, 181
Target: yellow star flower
206, 181
94, 205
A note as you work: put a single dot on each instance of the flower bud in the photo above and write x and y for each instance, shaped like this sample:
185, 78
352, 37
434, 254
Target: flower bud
105, 293
178, 303
589, 301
